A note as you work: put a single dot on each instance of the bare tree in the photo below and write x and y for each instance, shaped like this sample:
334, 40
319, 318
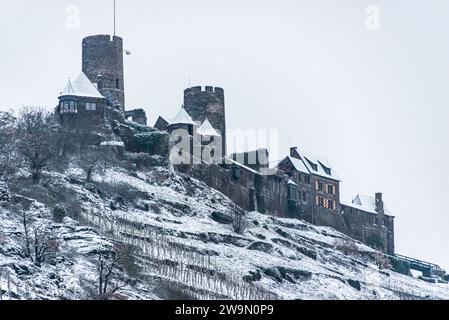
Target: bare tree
9, 160
39, 242
92, 160
37, 139
109, 265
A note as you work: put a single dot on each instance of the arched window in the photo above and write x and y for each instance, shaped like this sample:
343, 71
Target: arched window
117, 83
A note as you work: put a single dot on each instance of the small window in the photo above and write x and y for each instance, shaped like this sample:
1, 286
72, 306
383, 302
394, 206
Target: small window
236, 173
68, 106
91, 106
117, 83
304, 196
292, 193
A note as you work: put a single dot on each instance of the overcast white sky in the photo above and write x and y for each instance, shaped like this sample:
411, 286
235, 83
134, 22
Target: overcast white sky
374, 102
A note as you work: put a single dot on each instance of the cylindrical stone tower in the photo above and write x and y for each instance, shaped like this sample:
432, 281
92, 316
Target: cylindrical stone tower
209, 103
103, 65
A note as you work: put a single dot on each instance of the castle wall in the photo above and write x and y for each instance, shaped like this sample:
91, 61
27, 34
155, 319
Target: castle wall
375, 230
251, 191
329, 215
208, 103
270, 195
103, 56
240, 191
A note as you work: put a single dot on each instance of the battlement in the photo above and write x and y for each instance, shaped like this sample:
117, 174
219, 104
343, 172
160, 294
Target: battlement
103, 38
208, 89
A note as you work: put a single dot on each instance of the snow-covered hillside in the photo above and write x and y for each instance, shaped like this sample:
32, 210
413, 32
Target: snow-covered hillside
184, 246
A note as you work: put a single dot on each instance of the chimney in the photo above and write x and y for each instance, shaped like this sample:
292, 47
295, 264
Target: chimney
294, 153
379, 203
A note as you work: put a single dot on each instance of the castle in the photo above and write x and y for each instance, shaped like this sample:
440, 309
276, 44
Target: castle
302, 185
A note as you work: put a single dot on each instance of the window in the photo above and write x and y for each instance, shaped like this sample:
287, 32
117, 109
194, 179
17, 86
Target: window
68, 106
304, 196
319, 186
292, 193
236, 173
91, 106
313, 165
117, 83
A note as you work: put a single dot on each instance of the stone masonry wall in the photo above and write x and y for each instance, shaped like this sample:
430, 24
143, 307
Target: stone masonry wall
208, 103
103, 56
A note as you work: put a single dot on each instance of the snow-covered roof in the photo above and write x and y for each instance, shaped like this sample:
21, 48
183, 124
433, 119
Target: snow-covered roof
312, 164
240, 165
318, 165
182, 118
206, 129
298, 164
81, 87
365, 203
113, 143
291, 182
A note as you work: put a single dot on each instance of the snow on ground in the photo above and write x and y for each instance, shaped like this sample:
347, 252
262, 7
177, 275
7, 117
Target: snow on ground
168, 217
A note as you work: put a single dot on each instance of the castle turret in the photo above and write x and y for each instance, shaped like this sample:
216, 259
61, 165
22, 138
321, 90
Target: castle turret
80, 99
207, 104
103, 65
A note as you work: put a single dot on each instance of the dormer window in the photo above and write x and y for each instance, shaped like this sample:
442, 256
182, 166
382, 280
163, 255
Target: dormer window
326, 169
313, 165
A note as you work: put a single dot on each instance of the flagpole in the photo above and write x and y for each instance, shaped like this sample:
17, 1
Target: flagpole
114, 18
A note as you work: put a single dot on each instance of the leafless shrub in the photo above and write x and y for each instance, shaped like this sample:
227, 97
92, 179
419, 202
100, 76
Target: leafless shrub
382, 260
239, 221
347, 246
154, 207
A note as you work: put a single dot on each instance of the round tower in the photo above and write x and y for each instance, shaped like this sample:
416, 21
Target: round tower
207, 104
103, 65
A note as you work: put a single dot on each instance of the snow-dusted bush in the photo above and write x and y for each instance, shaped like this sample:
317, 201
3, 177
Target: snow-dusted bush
59, 212
347, 246
382, 260
239, 221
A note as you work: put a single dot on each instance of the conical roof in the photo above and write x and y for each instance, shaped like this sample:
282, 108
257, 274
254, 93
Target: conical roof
182, 118
81, 87
206, 129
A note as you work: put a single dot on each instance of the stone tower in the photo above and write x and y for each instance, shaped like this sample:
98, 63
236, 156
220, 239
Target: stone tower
103, 65
210, 104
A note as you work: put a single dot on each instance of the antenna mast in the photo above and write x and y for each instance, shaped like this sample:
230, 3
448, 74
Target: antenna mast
114, 18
